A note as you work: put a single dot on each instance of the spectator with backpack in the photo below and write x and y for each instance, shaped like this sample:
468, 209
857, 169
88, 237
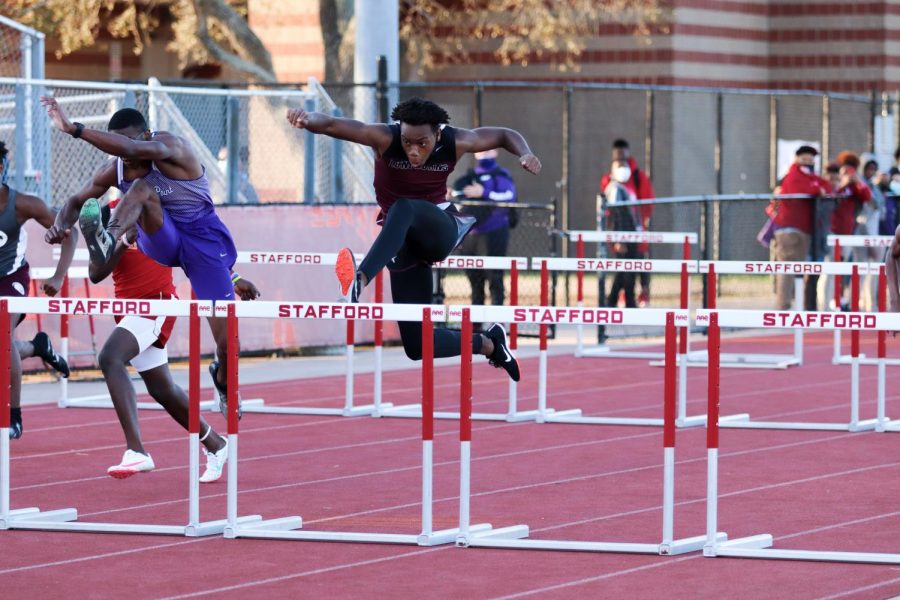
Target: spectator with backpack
488, 181
639, 187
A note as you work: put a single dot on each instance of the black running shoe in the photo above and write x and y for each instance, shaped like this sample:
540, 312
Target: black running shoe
44, 350
99, 242
223, 392
15, 423
502, 358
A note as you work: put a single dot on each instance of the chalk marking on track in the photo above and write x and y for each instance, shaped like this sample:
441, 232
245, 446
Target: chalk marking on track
867, 588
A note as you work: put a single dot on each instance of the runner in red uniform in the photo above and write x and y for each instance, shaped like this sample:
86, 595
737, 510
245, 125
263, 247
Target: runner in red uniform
142, 342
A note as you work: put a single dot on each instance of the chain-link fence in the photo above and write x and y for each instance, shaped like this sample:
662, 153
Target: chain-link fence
21, 120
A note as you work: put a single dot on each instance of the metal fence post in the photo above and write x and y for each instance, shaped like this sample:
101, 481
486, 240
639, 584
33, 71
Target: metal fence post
381, 90
309, 158
649, 116
826, 127
21, 125
479, 106
336, 185
232, 145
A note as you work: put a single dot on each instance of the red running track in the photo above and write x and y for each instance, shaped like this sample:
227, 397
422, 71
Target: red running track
811, 490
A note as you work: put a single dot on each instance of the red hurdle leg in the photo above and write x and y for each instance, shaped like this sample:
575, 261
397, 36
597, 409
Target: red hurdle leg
379, 342
194, 416
882, 349
579, 329
669, 433
712, 434
4, 409
348, 377
854, 352
512, 407
64, 347
232, 384
427, 424
465, 425
542, 364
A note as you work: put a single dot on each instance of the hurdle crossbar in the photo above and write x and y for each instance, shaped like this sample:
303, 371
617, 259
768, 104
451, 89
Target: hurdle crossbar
287, 528
66, 519
349, 409
512, 415
854, 321
760, 545
512, 536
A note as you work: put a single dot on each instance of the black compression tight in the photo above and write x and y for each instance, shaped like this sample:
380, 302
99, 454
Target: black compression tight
416, 233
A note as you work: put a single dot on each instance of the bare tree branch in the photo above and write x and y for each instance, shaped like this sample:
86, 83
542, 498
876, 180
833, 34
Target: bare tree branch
260, 63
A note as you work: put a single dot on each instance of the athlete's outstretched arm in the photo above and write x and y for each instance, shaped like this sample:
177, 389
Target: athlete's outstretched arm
375, 135
102, 180
488, 138
160, 148
31, 207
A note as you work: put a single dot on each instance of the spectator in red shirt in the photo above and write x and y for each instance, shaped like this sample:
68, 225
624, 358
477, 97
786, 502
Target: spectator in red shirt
639, 186
852, 192
794, 218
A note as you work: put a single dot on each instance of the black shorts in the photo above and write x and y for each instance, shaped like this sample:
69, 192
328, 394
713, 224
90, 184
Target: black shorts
15, 285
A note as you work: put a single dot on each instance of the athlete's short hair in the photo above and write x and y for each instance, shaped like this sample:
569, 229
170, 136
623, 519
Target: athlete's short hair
125, 118
3, 151
418, 111
620, 143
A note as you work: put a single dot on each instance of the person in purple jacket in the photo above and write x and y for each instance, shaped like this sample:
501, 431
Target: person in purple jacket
490, 182
167, 198
414, 157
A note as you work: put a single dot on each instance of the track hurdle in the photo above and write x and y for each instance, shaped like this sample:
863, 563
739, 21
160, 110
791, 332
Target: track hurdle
734, 267
655, 237
760, 545
349, 409
659, 266
509, 537
286, 528
857, 241
65, 519
512, 414
758, 319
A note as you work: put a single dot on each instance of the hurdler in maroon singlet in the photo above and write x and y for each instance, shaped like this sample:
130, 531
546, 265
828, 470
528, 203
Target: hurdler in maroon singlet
395, 178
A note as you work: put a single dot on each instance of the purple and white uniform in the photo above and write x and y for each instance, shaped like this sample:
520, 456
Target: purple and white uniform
192, 236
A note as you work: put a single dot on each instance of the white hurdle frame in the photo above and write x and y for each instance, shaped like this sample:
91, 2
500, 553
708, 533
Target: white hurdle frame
65, 519
510, 537
857, 241
684, 267
750, 268
752, 319
93, 400
285, 528
655, 237
512, 415
349, 409
760, 545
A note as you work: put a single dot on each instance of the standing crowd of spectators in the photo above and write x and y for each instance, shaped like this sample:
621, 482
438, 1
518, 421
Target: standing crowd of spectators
854, 198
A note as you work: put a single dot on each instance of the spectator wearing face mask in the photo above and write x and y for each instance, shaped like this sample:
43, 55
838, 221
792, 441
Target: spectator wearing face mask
621, 218
625, 171
794, 218
489, 236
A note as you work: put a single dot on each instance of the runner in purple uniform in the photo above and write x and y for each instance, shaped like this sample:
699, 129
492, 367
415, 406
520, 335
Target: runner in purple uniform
167, 197
414, 158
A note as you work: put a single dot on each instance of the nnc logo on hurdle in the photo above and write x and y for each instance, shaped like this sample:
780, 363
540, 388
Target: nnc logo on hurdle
325, 311
801, 319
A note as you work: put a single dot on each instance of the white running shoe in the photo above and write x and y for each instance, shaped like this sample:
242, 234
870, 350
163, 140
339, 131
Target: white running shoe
215, 464
132, 462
